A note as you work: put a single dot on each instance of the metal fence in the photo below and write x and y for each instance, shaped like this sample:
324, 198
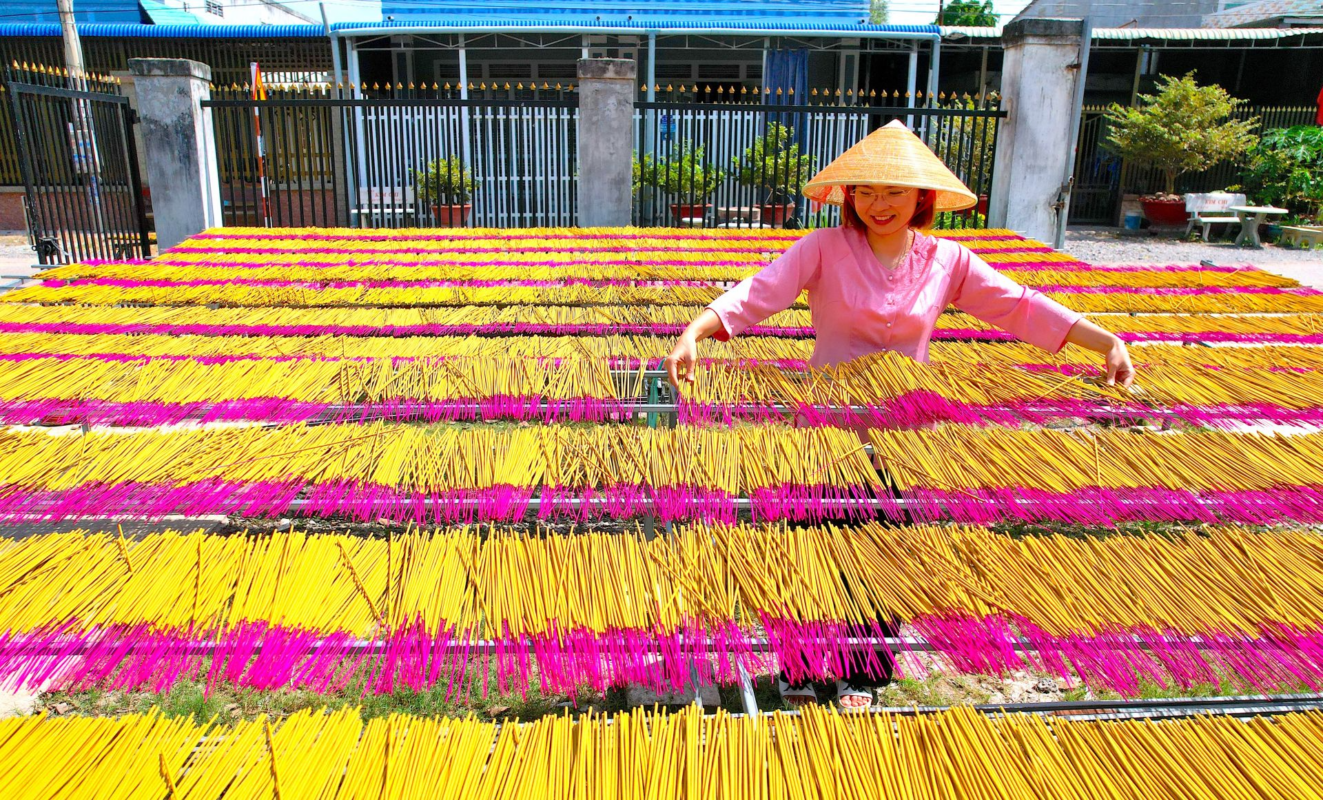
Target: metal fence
703, 162
78, 163
309, 157
1101, 177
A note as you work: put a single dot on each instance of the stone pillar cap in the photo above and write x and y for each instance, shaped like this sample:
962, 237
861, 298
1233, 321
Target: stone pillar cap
608, 69
169, 68
1018, 30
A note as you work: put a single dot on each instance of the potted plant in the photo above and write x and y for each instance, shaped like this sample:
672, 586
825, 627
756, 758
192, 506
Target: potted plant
684, 175
774, 165
1184, 127
447, 187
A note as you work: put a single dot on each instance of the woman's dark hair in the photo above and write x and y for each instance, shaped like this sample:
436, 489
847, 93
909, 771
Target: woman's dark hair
924, 210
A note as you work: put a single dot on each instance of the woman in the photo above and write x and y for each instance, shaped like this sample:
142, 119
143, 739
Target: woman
876, 283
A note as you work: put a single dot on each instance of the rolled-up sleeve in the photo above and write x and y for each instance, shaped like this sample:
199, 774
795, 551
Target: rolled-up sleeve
994, 298
772, 289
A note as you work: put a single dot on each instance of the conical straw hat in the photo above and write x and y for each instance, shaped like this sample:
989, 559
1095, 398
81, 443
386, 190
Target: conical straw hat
890, 156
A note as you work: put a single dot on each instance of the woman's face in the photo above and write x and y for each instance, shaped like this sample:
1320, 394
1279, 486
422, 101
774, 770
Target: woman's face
885, 209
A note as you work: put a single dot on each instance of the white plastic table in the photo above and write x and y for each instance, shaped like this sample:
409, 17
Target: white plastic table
1251, 217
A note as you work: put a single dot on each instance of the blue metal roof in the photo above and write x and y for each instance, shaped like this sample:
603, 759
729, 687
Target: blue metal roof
700, 11
641, 25
138, 31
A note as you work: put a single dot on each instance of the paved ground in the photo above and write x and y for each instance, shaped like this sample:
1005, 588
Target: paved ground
1111, 246
16, 257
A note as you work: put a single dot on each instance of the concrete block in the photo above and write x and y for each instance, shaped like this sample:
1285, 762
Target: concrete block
179, 145
1039, 72
606, 140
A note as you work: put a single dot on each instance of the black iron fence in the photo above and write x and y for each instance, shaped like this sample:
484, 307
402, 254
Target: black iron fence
309, 156
1101, 177
709, 158
77, 160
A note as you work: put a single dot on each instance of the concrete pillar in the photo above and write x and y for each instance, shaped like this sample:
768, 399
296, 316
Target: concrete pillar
1038, 90
179, 144
606, 140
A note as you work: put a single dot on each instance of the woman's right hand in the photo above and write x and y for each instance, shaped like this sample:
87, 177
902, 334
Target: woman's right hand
681, 362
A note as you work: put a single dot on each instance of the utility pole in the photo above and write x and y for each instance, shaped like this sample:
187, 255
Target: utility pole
82, 139
73, 47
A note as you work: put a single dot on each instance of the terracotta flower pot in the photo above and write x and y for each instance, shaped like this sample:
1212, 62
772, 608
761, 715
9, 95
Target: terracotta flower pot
689, 210
1165, 212
775, 214
452, 216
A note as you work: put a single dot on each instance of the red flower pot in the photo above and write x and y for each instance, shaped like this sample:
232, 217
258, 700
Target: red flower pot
982, 207
1165, 212
775, 214
452, 216
683, 211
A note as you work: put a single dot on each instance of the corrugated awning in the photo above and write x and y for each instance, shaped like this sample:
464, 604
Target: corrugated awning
161, 14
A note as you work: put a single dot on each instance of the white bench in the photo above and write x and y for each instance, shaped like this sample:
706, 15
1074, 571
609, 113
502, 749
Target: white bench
1211, 208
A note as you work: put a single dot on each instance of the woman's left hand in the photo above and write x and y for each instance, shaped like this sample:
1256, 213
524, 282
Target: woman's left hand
1119, 368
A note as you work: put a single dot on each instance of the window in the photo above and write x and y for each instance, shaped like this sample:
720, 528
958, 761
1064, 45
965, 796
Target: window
215, 8
557, 71
718, 72
509, 70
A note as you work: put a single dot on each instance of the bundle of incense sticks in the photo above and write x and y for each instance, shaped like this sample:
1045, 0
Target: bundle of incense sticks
584, 321
1225, 607
444, 474
114, 291
662, 269
884, 390
619, 351
636, 755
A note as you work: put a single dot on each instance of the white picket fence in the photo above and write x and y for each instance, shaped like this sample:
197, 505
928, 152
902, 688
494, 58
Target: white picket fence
522, 160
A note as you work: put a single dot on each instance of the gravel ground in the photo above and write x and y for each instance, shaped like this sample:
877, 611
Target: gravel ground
1111, 246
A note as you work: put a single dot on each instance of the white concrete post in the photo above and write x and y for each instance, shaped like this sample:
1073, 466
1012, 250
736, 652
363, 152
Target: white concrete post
179, 145
1033, 148
606, 141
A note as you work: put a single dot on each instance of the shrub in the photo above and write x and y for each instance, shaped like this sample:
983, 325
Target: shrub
1286, 169
685, 174
445, 182
775, 165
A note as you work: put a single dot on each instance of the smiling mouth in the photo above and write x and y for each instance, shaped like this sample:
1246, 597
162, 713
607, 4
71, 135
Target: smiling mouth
883, 220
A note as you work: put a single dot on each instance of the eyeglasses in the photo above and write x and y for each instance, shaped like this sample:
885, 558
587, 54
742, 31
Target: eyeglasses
866, 195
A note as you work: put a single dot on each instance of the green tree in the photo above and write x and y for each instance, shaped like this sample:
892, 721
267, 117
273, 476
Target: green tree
878, 12
1185, 127
968, 13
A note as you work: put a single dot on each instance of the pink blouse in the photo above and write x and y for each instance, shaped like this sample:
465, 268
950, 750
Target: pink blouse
858, 307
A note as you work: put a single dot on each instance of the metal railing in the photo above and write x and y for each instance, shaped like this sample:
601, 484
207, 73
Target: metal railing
702, 162
317, 158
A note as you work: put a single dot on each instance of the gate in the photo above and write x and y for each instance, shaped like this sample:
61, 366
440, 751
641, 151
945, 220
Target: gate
1096, 192
309, 156
79, 164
